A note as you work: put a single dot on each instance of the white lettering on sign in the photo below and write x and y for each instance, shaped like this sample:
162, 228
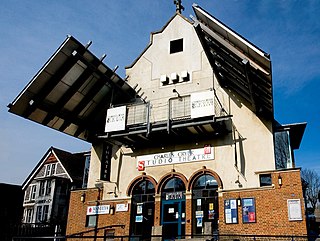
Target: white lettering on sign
202, 104
176, 157
116, 119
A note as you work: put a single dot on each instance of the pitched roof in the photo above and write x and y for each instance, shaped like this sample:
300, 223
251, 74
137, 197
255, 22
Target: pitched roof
73, 163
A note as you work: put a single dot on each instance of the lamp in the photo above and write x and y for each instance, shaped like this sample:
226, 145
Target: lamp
175, 91
239, 201
280, 180
112, 210
83, 197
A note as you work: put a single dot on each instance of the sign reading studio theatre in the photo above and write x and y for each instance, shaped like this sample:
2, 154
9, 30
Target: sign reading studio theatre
175, 157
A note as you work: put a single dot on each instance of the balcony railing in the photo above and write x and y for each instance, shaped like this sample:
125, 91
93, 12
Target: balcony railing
174, 109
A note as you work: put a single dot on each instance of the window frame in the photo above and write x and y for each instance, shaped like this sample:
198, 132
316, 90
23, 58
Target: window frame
33, 192
265, 183
176, 46
89, 223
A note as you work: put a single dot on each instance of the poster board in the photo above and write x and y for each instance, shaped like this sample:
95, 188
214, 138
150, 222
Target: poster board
248, 210
230, 211
294, 210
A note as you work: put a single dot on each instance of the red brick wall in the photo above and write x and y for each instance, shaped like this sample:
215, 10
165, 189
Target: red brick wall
78, 211
271, 208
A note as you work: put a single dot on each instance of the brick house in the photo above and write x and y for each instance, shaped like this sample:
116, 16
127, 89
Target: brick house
47, 188
187, 144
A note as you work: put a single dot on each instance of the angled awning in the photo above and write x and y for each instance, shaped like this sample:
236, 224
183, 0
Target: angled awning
296, 132
72, 92
239, 65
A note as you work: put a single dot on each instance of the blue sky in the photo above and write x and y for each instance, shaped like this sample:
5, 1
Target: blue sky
30, 31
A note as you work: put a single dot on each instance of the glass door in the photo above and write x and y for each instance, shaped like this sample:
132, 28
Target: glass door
173, 219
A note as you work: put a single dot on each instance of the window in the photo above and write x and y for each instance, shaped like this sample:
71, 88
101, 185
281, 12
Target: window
53, 169
39, 213
42, 213
176, 46
48, 187
86, 172
33, 192
50, 169
265, 180
91, 220
42, 188
28, 215
282, 150
45, 213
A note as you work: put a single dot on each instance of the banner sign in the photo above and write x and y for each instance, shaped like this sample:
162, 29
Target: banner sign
175, 157
116, 119
202, 104
106, 162
101, 209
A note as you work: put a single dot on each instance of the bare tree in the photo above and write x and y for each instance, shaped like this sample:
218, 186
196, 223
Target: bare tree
312, 179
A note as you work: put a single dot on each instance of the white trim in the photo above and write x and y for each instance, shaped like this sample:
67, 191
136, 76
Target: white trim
62, 166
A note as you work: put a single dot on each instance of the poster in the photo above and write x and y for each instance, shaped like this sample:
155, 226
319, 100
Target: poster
139, 208
139, 219
199, 222
211, 214
211, 206
248, 210
231, 211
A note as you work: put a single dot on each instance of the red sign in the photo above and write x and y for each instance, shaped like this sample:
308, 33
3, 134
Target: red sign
207, 149
141, 166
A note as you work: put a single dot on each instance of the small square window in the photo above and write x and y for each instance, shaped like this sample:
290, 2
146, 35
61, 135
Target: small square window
91, 221
265, 180
176, 46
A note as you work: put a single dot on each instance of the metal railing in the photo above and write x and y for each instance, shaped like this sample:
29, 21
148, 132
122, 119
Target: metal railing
214, 237
174, 109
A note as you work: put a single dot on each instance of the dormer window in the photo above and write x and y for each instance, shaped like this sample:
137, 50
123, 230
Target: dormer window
176, 46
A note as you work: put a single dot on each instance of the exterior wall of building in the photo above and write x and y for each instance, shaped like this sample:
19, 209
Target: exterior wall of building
272, 216
239, 157
52, 199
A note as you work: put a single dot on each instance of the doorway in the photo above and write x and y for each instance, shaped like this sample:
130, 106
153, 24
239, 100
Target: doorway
173, 209
142, 213
205, 204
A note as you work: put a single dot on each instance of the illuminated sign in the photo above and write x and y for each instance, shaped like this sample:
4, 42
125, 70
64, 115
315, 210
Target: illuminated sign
116, 119
175, 157
202, 104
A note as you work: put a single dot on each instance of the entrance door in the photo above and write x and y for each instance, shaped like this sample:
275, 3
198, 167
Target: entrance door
173, 219
142, 210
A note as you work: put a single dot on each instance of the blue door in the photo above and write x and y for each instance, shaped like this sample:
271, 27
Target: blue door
173, 218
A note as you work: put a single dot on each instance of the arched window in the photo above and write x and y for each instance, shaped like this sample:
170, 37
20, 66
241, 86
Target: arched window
205, 203
174, 185
173, 209
142, 211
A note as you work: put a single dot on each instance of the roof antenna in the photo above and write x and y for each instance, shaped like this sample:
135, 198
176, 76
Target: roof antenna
179, 6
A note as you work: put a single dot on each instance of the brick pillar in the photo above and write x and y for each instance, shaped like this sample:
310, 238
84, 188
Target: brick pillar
188, 213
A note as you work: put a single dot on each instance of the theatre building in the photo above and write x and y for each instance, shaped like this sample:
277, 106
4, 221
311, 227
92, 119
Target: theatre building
186, 144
